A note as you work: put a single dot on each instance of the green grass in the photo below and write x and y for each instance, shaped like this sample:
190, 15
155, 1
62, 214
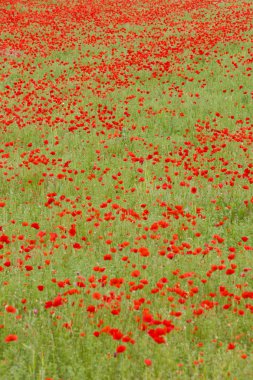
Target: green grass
126, 127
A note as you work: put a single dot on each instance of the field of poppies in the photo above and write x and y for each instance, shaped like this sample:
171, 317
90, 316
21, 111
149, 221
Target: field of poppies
126, 189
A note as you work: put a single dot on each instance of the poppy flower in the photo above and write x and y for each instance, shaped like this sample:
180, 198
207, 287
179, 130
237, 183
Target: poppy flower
120, 349
148, 362
11, 338
35, 225
10, 309
231, 346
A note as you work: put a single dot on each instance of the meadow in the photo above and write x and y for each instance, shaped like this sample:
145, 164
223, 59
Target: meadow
126, 189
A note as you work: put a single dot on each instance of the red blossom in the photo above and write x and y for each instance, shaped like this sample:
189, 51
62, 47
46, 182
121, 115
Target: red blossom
120, 349
11, 338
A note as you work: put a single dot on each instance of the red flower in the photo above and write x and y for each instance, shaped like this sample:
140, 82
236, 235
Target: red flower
120, 349
77, 246
144, 252
135, 273
35, 225
148, 362
72, 230
107, 257
11, 338
10, 309
91, 309
58, 301
28, 268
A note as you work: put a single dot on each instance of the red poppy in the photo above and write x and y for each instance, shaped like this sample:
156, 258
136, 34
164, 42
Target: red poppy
11, 338
35, 225
10, 309
120, 349
231, 346
148, 362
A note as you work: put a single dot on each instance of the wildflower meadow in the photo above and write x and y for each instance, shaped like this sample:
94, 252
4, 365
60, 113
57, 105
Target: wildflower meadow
126, 189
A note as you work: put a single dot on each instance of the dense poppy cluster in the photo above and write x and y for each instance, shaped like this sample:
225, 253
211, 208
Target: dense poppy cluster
126, 202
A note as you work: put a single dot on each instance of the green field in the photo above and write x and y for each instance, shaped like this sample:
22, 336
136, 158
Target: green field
126, 190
